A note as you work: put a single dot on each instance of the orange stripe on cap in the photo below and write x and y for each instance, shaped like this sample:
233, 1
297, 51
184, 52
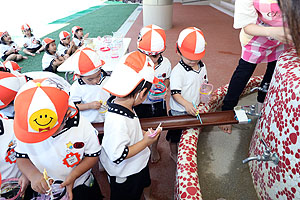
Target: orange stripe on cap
136, 61
85, 61
7, 96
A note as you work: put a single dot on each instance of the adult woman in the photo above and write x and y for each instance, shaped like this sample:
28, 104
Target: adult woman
278, 125
262, 38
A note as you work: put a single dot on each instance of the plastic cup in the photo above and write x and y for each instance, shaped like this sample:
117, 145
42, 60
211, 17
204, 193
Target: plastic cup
58, 193
89, 43
206, 90
157, 92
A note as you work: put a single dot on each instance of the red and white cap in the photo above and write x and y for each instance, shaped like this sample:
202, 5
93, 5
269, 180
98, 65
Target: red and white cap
47, 41
130, 71
85, 62
40, 108
9, 86
75, 28
25, 27
191, 43
2, 34
63, 35
12, 66
152, 40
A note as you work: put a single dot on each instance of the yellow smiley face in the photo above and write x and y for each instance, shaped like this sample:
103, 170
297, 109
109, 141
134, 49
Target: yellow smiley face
43, 120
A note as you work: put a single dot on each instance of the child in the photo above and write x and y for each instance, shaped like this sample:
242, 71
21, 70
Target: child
186, 79
125, 151
8, 167
51, 136
66, 47
31, 44
78, 37
86, 92
262, 39
8, 49
9, 85
152, 42
51, 60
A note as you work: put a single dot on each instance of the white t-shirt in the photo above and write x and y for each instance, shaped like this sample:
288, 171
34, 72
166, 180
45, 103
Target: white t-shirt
46, 74
60, 154
32, 42
187, 82
4, 48
8, 111
162, 72
244, 13
8, 166
122, 129
48, 60
77, 41
62, 50
84, 93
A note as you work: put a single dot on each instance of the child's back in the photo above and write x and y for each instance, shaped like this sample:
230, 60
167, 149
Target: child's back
125, 151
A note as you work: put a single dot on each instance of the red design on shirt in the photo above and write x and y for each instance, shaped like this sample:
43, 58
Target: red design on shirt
78, 145
71, 159
11, 156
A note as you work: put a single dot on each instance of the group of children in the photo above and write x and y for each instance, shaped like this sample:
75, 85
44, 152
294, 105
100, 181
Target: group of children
51, 135
54, 55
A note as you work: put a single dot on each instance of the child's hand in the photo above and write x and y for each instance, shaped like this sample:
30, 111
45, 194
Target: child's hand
96, 105
39, 184
150, 140
190, 109
212, 99
69, 183
23, 182
72, 43
86, 36
66, 56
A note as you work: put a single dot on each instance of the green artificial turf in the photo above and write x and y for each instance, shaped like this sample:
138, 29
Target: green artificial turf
98, 21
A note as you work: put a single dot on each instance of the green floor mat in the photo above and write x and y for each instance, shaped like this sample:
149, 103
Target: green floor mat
76, 15
102, 21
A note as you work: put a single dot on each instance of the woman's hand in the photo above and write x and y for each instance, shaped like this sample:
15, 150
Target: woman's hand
281, 34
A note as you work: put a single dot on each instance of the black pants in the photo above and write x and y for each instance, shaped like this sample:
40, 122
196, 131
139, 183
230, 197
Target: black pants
83, 192
132, 188
158, 109
173, 136
239, 80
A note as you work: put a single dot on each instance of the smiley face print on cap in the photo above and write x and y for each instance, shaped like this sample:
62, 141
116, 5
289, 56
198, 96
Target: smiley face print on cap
43, 120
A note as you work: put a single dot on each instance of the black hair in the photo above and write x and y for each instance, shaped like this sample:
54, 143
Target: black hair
178, 50
139, 88
291, 16
46, 48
